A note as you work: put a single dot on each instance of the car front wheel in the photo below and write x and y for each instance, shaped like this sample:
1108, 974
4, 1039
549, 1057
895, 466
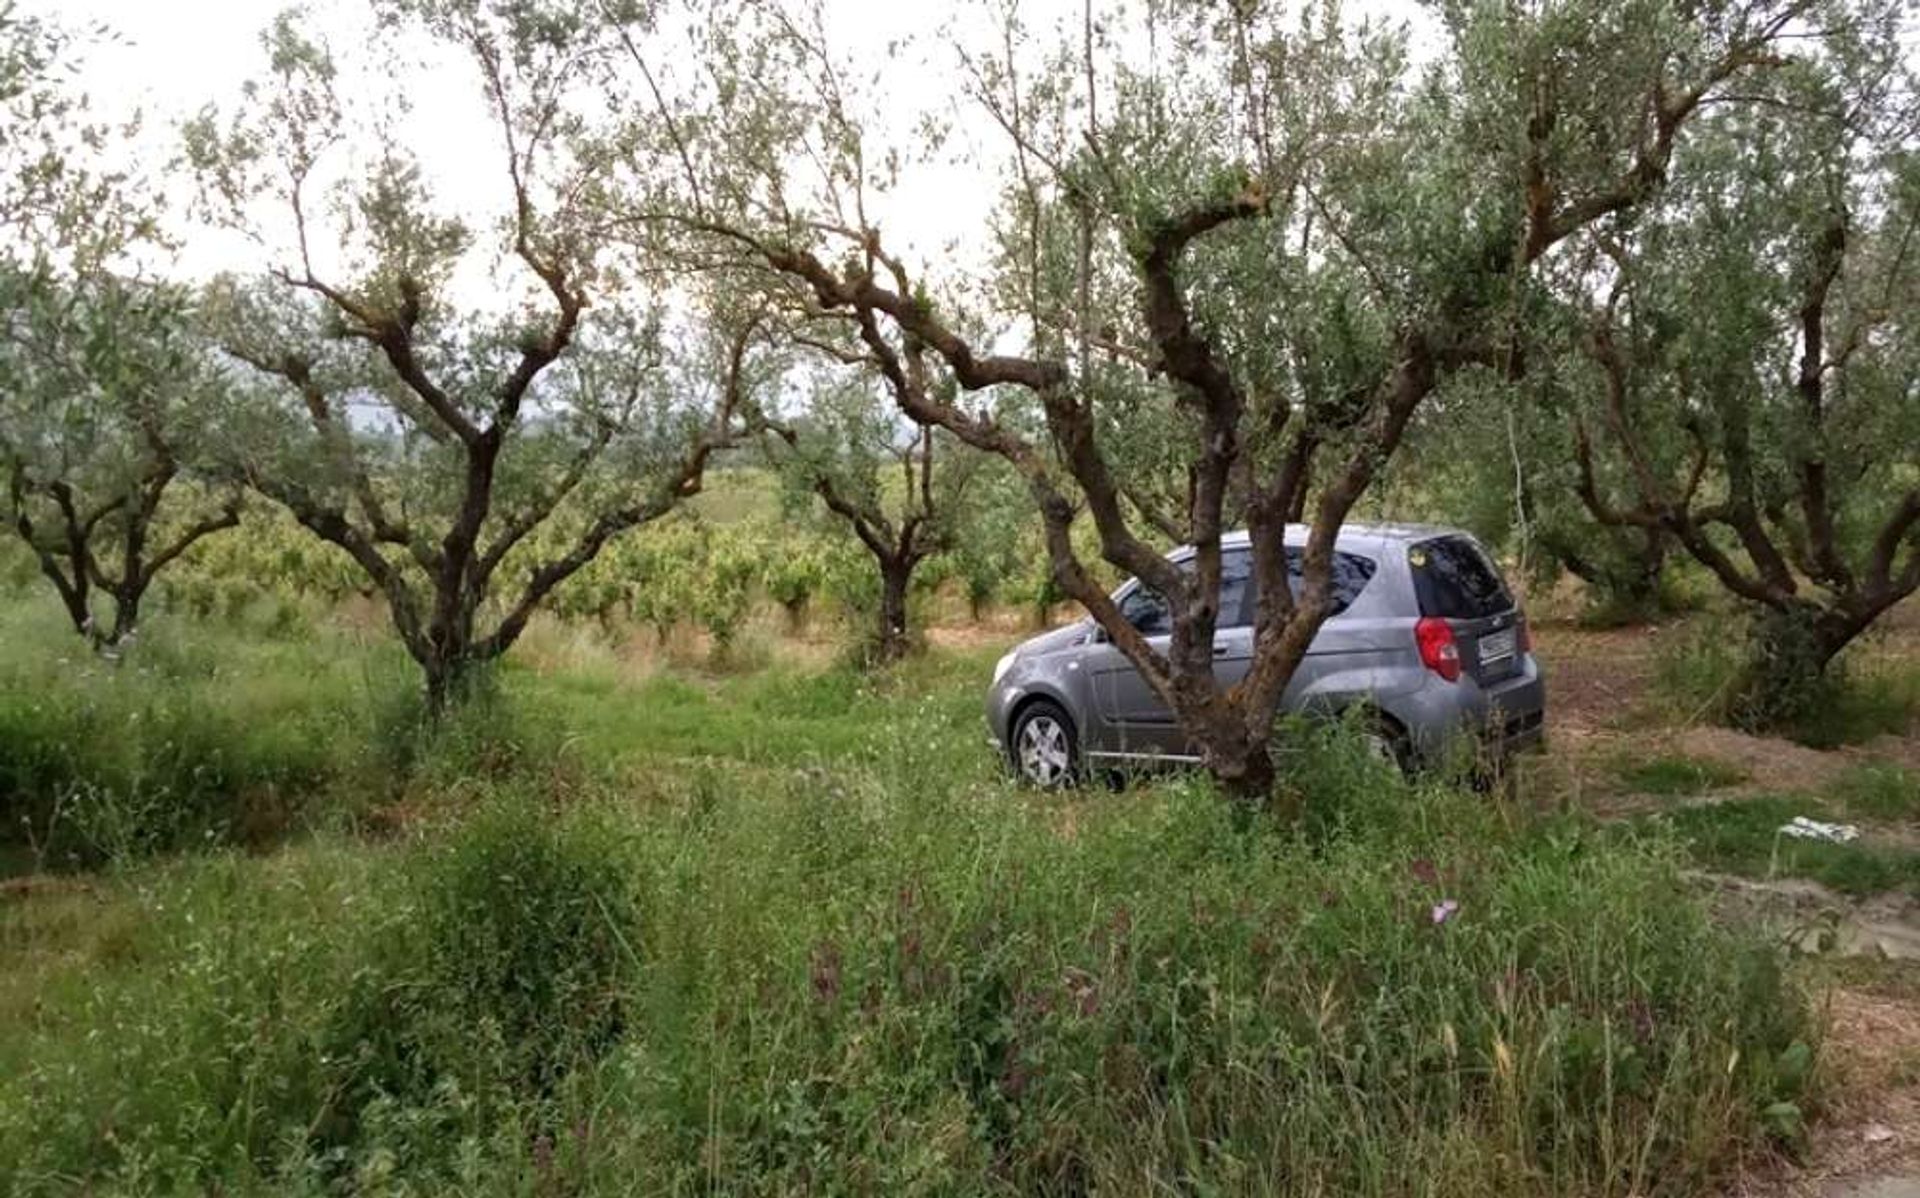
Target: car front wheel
1043, 750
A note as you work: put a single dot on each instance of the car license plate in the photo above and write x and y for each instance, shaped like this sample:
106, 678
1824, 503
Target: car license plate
1496, 646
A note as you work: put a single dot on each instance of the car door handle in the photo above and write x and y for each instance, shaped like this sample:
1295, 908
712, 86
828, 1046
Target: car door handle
1221, 650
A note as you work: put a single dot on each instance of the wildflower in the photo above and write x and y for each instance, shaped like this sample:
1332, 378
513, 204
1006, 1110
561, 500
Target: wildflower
1444, 910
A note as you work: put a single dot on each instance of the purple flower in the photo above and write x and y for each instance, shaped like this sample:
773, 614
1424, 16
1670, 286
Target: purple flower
1444, 910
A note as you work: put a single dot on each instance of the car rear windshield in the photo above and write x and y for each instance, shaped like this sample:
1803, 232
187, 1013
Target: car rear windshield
1455, 581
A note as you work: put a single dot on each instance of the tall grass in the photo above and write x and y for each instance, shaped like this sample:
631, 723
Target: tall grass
1860, 696
196, 734
881, 979
792, 932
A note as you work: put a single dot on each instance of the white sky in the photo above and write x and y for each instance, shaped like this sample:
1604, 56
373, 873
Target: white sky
172, 57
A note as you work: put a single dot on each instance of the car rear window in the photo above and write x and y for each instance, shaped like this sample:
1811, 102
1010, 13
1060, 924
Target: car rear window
1454, 580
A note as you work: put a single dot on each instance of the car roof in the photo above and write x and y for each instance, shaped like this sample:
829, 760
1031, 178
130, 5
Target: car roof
1354, 536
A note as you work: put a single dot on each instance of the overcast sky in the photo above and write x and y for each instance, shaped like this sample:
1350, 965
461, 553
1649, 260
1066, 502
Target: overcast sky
171, 57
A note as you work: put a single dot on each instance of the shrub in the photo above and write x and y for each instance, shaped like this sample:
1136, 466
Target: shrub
521, 935
1704, 672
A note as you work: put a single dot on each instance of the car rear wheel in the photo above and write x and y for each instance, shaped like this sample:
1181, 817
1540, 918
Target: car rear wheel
1043, 750
1386, 744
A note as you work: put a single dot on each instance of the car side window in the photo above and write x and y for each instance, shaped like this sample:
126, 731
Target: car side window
1236, 583
1350, 575
1146, 609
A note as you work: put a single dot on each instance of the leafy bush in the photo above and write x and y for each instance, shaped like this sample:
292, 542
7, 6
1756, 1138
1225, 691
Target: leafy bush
792, 575
728, 572
520, 936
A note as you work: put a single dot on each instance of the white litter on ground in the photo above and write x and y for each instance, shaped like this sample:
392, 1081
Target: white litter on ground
1811, 829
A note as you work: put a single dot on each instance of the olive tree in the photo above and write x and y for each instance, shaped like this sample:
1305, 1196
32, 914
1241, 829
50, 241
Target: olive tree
1751, 350
1497, 457
100, 376
424, 431
1270, 232
901, 488
98, 427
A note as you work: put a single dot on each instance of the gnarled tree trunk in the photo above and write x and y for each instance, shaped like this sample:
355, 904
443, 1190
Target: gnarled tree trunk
891, 641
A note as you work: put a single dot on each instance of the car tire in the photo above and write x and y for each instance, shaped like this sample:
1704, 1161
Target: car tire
1044, 750
1387, 743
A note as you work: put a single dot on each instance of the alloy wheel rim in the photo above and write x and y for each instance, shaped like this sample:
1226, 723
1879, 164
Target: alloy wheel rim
1044, 755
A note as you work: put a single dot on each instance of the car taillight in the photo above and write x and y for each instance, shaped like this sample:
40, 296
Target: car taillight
1439, 652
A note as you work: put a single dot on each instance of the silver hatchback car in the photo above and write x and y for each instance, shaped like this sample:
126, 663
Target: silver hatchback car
1424, 637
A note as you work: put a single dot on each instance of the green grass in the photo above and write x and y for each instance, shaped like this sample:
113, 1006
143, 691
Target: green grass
1880, 791
1873, 699
199, 734
1676, 774
1743, 837
792, 931
779, 716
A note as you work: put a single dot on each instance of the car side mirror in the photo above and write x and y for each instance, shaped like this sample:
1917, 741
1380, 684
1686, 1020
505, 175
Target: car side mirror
1098, 635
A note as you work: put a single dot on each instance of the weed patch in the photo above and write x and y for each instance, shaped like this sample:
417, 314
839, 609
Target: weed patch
1879, 791
1678, 775
1701, 674
863, 980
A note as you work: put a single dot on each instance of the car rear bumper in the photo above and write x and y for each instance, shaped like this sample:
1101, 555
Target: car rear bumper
1448, 718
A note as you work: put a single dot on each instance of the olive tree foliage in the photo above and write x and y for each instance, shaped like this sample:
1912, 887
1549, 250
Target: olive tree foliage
1266, 239
1751, 348
902, 489
1497, 456
101, 416
100, 378
428, 435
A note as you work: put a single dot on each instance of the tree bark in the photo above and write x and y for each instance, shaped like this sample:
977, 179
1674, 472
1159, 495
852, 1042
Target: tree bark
126, 614
893, 641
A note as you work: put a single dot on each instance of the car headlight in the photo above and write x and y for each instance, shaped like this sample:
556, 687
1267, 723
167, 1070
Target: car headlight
1003, 665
